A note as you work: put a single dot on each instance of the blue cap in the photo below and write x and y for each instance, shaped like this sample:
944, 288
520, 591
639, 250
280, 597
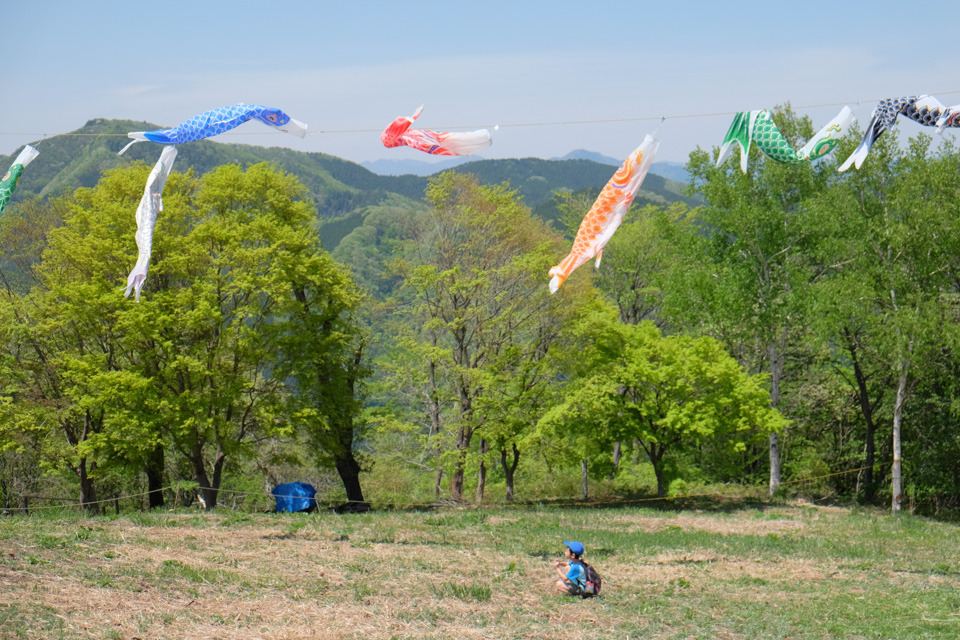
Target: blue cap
576, 547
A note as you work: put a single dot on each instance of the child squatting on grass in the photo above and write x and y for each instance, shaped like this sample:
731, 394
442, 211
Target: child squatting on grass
573, 576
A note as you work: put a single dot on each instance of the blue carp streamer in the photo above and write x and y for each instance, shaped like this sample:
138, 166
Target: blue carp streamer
217, 121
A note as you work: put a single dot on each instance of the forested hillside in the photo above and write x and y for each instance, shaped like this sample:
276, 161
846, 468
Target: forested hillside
796, 331
340, 189
78, 159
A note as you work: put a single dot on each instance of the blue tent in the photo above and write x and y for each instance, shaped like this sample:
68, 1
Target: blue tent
295, 496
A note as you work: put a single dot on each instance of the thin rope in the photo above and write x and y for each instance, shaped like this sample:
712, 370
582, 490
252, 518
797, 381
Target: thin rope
412, 505
86, 504
554, 123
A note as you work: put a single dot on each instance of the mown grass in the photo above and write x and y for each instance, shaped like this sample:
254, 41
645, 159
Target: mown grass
777, 571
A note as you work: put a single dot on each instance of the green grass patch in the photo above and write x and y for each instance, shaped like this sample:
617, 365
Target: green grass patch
26, 622
803, 573
465, 592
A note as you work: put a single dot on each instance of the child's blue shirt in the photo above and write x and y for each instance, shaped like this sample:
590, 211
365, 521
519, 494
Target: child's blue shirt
577, 574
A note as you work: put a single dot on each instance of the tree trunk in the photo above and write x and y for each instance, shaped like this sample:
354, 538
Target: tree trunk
583, 477
896, 488
154, 470
869, 484
433, 411
617, 454
661, 480
462, 443
88, 492
635, 456
776, 374
456, 478
208, 490
346, 462
774, 462
465, 428
481, 481
349, 470
509, 470
870, 460
482, 472
655, 455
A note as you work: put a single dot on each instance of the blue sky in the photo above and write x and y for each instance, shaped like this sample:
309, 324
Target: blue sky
345, 66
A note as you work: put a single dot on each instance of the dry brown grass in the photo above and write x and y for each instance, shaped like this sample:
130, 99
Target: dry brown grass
385, 575
721, 526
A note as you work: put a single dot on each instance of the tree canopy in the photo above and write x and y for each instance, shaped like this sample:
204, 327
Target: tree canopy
798, 326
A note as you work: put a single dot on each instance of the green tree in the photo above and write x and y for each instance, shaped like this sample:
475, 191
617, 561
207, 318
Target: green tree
637, 260
748, 275
522, 380
62, 337
21, 434
23, 232
670, 393
894, 261
254, 334
473, 288
321, 358
201, 366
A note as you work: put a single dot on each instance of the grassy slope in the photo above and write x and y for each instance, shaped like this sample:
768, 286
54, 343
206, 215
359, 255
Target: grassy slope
796, 572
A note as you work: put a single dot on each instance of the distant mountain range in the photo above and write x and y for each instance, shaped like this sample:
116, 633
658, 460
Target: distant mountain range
671, 170
583, 154
415, 167
343, 191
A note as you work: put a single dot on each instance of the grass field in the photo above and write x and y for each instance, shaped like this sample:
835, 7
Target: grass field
784, 571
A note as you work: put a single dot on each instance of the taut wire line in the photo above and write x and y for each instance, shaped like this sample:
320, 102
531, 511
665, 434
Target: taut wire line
415, 505
553, 123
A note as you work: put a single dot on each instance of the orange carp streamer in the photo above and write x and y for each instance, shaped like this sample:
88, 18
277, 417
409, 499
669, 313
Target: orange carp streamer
607, 212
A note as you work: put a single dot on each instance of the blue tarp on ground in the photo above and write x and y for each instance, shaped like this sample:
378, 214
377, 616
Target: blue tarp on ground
295, 496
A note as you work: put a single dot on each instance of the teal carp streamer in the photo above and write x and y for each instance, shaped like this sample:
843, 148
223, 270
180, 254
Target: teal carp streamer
758, 127
10, 179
